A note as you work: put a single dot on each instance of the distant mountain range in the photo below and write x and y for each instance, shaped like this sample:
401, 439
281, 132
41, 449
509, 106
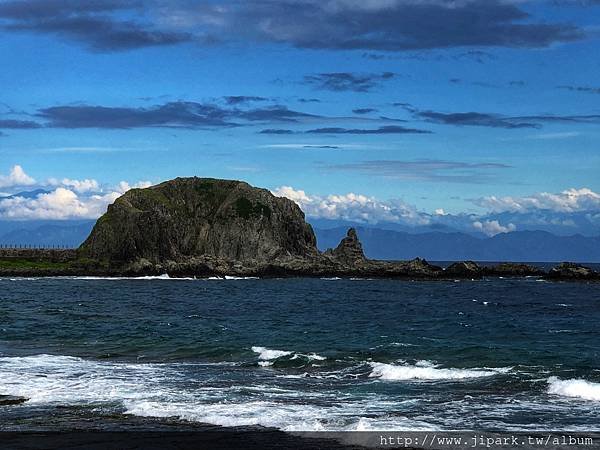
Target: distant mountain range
378, 243
45, 233
517, 246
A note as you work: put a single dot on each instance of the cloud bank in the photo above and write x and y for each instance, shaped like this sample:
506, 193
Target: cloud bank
385, 25
570, 200
352, 207
565, 213
57, 199
569, 212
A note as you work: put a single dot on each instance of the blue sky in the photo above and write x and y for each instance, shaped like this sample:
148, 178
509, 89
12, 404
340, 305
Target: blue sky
428, 104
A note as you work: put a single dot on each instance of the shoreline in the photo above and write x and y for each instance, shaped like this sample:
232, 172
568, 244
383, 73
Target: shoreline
574, 272
345, 261
132, 432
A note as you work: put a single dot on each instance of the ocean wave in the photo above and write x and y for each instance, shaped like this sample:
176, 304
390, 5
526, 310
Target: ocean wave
425, 370
164, 390
284, 416
149, 277
575, 388
231, 277
287, 417
268, 356
67, 379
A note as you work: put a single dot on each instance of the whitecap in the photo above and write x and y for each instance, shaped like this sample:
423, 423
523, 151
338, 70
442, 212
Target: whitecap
57, 379
427, 371
231, 277
268, 354
164, 276
575, 388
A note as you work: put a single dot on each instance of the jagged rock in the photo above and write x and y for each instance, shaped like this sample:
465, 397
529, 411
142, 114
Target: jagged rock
190, 217
464, 269
513, 270
571, 271
6, 400
349, 251
420, 268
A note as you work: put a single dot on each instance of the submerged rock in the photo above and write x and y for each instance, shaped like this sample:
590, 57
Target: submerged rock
572, 271
6, 400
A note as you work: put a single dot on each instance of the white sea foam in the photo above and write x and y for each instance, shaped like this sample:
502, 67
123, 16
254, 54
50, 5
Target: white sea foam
164, 390
289, 417
575, 387
149, 278
147, 390
230, 277
424, 370
267, 354
65, 379
285, 416
159, 390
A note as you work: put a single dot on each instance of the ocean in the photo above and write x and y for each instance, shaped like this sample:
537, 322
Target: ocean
302, 354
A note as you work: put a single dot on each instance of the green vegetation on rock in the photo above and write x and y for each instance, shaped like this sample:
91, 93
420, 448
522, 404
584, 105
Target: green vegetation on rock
245, 209
196, 217
12, 264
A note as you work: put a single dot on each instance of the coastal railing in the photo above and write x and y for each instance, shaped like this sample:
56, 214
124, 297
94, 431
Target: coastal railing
37, 247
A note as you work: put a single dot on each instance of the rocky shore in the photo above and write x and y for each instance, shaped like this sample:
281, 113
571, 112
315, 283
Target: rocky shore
203, 227
347, 260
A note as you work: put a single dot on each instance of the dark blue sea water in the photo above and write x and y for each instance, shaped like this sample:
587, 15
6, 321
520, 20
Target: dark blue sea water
305, 354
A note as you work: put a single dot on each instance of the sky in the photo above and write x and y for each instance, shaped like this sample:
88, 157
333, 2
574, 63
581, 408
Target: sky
479, 115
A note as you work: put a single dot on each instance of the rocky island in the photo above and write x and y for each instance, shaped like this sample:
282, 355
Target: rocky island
200, 227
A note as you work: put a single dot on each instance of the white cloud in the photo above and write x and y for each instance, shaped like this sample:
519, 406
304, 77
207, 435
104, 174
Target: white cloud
80, 186
69, 199
493, 227
353, 207
563, 135
571, 200
124, 186
16, 177
59, 204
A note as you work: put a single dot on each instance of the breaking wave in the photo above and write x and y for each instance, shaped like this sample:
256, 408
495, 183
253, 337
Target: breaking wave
425, 370
574, 388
